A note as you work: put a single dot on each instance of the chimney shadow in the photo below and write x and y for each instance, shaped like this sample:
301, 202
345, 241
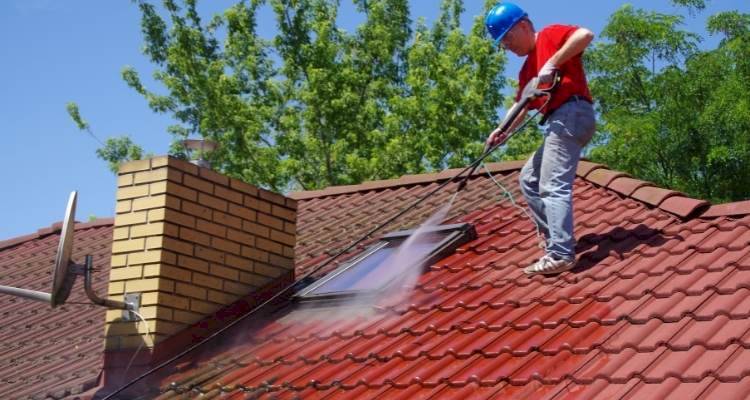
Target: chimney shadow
120, 367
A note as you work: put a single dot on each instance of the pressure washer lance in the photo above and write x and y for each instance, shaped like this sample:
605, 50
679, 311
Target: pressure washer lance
530, 92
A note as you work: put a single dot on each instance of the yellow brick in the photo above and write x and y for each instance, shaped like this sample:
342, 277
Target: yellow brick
178, 246
241, 237
211, 228
123, 206
203, 308
191, 263
121, 233
242, 212
267, 270
284, 213
147, 257
221, 297
291, 204
154, 242
212, 202
182, 192
226, 246
243, 187
164, 299
161, 200
258, 205
148, 285
130, 218
239, 263
124, 180
289, 252
199, 184
155, 175
237, 288
125, 246
167, 328
213, 176
256, 229
254, 253
284, 238
282, 262
190, 290
183, 165
273, 222
119, 260
130, 192
116, 288
157, 188
268, 245
253, 279
272, 197
140, 341
112, 343
290, 228
195, 236
178, 274
209, 254
224, 272
207, 281
133, 166
186, 317
151, 229
196, 210
160, 161
171, 216
155, 312
227, 194
227, 220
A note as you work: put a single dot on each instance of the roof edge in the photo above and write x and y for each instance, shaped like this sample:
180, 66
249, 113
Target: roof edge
53, 229
728, 209
671, 201
404, 180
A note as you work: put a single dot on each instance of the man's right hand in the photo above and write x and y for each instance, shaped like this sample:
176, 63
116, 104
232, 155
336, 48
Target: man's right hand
497, 136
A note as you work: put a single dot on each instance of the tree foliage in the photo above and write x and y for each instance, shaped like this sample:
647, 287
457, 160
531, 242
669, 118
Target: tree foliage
316, 105
669, 112
115, 150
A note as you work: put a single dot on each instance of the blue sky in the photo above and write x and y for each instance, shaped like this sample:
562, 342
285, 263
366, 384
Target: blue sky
60, 51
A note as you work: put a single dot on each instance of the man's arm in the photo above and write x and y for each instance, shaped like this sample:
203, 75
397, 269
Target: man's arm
498, 136
576, 44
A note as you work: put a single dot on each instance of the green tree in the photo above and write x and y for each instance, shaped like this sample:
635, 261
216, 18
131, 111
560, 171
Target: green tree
670, 113
115, 150
316, 105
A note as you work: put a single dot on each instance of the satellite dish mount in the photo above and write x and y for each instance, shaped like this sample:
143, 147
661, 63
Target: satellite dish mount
65, 271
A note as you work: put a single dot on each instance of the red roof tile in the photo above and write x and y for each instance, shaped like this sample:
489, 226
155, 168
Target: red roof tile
47, 352
659, 305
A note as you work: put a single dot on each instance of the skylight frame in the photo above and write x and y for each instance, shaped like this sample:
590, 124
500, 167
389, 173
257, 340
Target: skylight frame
458, 234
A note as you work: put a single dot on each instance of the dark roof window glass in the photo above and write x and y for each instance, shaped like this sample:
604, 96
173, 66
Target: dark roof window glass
382, 264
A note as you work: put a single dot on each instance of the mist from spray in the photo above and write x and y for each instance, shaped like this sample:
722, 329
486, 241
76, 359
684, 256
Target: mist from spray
403, 265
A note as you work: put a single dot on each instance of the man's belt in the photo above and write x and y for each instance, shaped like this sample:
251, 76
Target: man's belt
575, 97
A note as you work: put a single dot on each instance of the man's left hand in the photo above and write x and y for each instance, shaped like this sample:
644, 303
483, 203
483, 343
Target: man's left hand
547, 73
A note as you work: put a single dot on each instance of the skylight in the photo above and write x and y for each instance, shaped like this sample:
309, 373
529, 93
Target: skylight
382, 264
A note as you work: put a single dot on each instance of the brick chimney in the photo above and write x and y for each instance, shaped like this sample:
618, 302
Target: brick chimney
191, 241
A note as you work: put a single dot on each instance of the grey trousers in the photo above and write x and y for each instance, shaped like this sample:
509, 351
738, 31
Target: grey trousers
547, 178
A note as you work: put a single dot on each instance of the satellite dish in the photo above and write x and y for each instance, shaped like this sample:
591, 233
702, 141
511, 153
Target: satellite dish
64, 271
62, 278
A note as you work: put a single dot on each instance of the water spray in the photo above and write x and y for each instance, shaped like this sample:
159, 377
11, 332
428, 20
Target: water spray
530, 92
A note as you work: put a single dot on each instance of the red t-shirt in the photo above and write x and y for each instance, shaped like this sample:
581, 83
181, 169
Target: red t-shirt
548, 41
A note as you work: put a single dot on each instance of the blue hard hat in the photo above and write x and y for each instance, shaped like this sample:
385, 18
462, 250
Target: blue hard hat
501, 18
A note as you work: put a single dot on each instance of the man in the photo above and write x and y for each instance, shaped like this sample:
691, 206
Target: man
547, 178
